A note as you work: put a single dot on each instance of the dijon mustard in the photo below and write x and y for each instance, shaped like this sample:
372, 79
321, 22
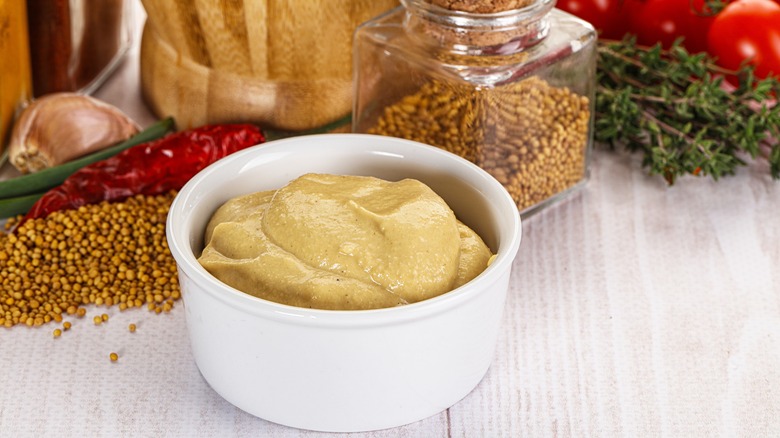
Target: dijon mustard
342, 243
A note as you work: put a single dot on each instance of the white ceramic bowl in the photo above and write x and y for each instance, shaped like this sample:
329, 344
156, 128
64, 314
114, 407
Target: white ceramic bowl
344, 371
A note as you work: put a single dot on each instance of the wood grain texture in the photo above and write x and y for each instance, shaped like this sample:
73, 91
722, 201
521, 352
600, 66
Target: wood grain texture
257, 36
286, 64
643, 310
166, 91
224, 30
178, 24
195, 95
321, 32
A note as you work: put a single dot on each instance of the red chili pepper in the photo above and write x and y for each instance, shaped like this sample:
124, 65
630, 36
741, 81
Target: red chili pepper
150, 169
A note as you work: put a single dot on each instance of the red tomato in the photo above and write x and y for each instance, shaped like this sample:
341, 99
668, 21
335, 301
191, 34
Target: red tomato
657, 21
664, 21
747, 30
605, 15
700, 19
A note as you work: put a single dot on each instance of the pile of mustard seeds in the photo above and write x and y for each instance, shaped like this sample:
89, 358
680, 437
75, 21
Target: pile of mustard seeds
107, 254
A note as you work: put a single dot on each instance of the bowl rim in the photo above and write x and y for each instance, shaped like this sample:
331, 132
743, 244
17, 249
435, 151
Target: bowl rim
187, 263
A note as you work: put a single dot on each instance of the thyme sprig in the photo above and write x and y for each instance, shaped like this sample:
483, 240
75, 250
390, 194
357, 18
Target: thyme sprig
672, 107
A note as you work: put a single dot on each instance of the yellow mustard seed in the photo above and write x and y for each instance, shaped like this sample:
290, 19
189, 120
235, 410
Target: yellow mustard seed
97, 320
57, 333
113, 356
104, 317
105, 254
131, 327
66, 325
530, 135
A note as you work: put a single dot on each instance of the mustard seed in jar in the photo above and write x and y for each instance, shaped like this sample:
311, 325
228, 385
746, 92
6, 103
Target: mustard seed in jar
509, 88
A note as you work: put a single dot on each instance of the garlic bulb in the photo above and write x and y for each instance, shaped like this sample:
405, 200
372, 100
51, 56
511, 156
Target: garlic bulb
60, 127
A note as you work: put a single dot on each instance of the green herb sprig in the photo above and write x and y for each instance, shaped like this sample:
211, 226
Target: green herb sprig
671, 106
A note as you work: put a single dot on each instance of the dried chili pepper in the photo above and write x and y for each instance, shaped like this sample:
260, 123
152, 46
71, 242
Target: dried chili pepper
148, 169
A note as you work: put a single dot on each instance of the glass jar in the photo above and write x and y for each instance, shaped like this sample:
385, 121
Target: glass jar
511, 91
76, 44
15, 79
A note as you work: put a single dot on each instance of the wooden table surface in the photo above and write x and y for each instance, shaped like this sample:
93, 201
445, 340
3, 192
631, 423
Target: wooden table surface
635, 309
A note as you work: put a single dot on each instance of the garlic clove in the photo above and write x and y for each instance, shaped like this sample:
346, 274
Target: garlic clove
60, 127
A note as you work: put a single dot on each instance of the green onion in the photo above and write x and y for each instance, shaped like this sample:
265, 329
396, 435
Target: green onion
12, 190
18, 205
271, 134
